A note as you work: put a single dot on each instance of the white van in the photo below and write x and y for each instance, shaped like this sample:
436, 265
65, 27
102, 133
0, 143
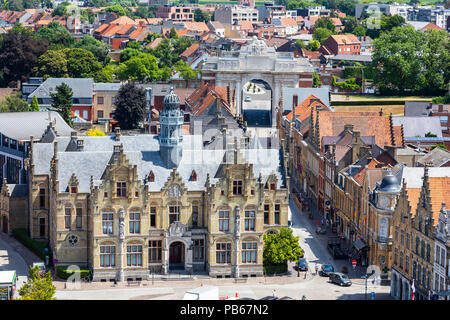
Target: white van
202, 293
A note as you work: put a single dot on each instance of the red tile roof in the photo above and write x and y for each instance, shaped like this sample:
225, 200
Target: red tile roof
191, 50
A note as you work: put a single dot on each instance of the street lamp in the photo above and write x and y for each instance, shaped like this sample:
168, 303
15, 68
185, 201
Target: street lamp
366, 276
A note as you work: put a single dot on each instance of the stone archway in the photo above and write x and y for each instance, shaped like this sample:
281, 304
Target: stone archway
176, 255
257, 102
257, 61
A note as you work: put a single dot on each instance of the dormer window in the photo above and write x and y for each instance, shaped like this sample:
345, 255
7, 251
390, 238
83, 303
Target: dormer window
193, 176
151, 177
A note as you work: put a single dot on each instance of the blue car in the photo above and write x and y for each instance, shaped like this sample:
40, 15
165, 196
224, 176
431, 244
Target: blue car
325, 270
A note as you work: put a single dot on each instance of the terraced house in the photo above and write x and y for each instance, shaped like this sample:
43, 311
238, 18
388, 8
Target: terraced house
128, 206
420, 215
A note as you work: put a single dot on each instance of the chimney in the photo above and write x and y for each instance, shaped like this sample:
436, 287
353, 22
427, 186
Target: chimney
348, 127
440, 108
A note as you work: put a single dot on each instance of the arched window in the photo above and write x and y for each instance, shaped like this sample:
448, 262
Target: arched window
151, 177
193, 176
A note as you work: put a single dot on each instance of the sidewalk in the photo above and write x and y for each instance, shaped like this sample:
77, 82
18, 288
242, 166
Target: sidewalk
23, 251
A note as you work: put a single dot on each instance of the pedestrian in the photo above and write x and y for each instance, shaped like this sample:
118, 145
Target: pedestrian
317, 268
273, 292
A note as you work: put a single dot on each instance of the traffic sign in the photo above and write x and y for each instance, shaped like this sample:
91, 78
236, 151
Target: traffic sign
354, 264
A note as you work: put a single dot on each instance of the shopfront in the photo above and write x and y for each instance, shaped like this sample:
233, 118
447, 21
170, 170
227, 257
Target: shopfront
8, 281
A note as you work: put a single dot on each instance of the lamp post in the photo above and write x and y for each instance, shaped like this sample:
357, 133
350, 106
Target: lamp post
366, 276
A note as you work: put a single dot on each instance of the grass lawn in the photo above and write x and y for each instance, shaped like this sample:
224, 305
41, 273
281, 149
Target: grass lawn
396, 110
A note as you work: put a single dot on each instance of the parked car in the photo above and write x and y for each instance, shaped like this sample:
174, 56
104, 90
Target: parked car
248, 99
286, 298
41, 266
269, 298
302, 264
325, 270
321, 230
340, 279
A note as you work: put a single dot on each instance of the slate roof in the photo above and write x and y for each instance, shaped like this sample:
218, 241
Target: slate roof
419, 126
435, 158
21, 125
81, 87
143, 151
98, 86
416, 108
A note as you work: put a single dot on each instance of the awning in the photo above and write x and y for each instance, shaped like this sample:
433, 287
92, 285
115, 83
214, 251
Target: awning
360, 244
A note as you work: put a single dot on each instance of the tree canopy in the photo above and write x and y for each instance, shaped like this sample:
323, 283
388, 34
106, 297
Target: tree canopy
130, 106
14, 103
321, 34
281, 247
409, 60
38, 287
62, 102
19, 54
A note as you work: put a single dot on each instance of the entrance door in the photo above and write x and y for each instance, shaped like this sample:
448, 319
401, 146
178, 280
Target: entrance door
176, 255
5, 224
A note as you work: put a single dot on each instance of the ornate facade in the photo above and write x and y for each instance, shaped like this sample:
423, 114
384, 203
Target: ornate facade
126, 208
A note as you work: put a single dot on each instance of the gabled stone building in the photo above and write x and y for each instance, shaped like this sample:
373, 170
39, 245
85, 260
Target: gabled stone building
125, 207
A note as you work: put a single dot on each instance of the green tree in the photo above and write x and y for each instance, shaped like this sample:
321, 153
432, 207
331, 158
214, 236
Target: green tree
82, 63
128, 53
105, 75
321, 34
300, 43
141, 67
281, 247
19, 54
130, 106
34, 104
359, 31
52, 64
313, 45
173, 34
405, 59
350, 24
57, 35
185, 70
430, 135
117, 8
316, 80
14, 103
142, 12
98, 48
61, 9
38, 287
326, 23
152, 36
62, 102
438, 145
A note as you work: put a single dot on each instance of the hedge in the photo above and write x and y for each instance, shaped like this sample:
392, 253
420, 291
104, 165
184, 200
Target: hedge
275, 268
368, 103
38, 247
63, 272
352, 72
